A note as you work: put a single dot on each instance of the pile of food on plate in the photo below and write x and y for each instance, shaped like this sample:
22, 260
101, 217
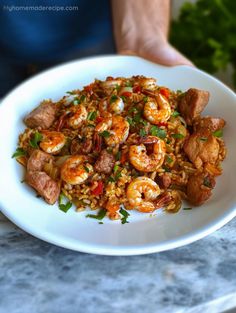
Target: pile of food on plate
123, 144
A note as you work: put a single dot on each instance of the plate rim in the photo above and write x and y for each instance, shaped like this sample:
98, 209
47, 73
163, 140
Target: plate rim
120, 250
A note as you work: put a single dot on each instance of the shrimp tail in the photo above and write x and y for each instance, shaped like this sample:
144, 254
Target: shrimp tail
163, 200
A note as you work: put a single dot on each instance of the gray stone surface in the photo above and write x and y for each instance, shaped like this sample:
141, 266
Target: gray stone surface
37, 277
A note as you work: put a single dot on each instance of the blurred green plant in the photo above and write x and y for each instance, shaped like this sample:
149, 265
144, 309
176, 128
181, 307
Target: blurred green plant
206, 33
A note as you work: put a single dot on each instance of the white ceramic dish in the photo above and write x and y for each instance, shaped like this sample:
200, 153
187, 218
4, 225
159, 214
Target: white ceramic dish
143, 234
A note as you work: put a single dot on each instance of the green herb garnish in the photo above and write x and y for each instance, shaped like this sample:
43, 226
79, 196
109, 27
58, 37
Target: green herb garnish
130, 121
175, 114
187, 209
207, 182
113, 98
158, 132
110, 179
105, 134
70, 92
166, 169
86, 169
218, 133
35, 140
203, 139
177, 136
142, 132
18, 153
64, 206
115, 169
128, 84
101, 214
117, 156
124, 98
169, 159
92, 115
125, 216
145, 99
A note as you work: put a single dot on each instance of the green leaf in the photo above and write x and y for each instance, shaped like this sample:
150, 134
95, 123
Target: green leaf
115, 169
92, 115
18, 153
101, 214
117, 156
70, 92
124, 98
35, 140
86, 169
113, 98
111, 180
105, 134
158, 132
130, 121
142, 132
169, 159
187, 208
203, 138
177, 136
175, 114
145, 99
125, 215
218, 133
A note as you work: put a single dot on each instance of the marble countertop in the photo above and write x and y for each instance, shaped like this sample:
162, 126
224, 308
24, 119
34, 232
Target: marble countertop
37, 277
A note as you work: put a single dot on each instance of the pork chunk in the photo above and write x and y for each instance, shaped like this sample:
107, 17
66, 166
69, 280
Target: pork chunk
37, 160
44, 185
164, 181
105, 162
211, 123
201, 147
43, 115
192, 104
199, 188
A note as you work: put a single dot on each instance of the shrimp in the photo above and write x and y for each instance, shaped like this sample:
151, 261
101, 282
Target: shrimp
111, 83
118, 132
75, 170
52, 141
147, 83
148, 163
158, 110
114, 105
142, 193
79, 115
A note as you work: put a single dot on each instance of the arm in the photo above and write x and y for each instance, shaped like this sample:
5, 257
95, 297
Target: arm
141, 28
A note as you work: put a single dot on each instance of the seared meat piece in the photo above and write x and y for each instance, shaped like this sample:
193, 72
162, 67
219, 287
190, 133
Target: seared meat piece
211, 123
42, 116
199, 188
164, 181
192, 104
44, 185
37, 160
201, 147
105, 162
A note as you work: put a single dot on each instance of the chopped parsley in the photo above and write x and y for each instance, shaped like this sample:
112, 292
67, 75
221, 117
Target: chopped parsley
175, 114
142, 132
187, 209
70, 92
169, 159
218, 133
117, 156
101, 214
115, 169
128, 84
130, 121
116, 176
124, 98
207, 182
125, 215
18, 153
86, 169
79, 100
105, 134
177, 136
158, 132
92, 115
166, 169
113, 98
64, 206
145, 99
203, 139
35, 140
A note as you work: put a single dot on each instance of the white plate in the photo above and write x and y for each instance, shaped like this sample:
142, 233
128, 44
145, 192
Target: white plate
143, 234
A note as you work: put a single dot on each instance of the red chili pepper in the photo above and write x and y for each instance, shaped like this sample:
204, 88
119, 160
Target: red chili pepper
137, 89
126, 94
165, 92
99, 119
162, 124
98, 190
